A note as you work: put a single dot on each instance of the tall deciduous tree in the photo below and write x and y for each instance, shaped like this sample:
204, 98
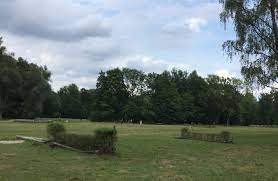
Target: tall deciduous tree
256, 42
166, 99
87, 100
23, 86
111, 96
35, 87
52, 106
248, 109
10, 82
70, 101
198, 87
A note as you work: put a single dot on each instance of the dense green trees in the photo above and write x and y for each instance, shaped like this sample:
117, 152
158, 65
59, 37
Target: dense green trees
111, 96
70, 102
24, 87
248, 109
177, 97
166, 101
223, 99
171, 97
268, 107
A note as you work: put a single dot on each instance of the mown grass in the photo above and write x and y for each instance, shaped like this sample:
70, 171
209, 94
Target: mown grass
149, 152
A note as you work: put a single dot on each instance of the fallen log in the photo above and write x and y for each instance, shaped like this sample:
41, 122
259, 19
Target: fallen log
70, 148
51, 143
29, 138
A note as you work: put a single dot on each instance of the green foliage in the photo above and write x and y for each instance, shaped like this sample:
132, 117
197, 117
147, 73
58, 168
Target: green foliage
169, 98
223, 137
211, 137
103, 141
106, 133
54, 129
223, 99
172, 97
166, 99
185, 133
51, 106
111, 96
255, 153
87, 99
248, 109
23, 86
256, 43
81, 142
70, 101
268, 109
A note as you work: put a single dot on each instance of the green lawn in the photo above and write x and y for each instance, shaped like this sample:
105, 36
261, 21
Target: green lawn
149, 152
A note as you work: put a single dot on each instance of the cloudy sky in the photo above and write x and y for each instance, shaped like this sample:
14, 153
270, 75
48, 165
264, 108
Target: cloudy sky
76, 39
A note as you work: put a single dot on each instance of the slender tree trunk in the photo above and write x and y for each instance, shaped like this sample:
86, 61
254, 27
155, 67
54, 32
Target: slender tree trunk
273, 6
1, 107
228, 119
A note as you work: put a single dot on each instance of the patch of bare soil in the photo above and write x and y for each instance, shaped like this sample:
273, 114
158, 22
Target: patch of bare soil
12, 142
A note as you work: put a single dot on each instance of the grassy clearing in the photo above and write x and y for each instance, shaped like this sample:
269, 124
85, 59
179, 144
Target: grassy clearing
149, 152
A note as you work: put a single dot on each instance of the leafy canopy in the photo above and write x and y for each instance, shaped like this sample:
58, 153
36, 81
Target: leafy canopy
256, 42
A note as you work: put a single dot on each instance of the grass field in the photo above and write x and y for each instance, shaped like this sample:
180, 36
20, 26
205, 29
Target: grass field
149, 152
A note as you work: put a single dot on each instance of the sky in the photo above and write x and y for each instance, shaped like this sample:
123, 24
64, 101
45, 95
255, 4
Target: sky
76, 39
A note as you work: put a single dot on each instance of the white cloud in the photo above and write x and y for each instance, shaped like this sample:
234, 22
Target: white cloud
174, 28
51, 19
195, 24
83, 82
184, 27
77, 39
150, 64
225, 73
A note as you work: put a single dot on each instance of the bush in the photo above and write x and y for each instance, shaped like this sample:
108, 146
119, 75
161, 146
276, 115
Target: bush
225, 136
197, 136
185, 133
104, 141
81, 142
106, 133
212, 137
54, 129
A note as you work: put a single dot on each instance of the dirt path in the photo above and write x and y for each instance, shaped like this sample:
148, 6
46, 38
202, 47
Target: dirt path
12, 142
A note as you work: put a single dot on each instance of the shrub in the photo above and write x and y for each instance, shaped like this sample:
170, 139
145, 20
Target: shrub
81, 142
104, 140
199, 136
185, 133
196, 136
106, 133
211, 137
206, 136
225, 136
54, 129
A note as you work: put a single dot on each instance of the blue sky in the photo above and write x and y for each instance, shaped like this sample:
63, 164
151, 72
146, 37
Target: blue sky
78, 38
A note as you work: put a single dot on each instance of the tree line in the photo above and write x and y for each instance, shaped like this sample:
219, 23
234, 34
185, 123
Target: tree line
170, 97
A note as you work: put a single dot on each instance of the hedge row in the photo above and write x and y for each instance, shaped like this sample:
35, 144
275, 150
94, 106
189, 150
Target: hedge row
223, 137
264, 126
103, 141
